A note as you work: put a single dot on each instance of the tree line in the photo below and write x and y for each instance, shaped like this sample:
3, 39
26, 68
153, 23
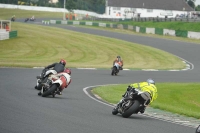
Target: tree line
97, 6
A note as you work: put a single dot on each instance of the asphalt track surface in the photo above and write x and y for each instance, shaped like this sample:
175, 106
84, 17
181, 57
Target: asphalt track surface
23, 111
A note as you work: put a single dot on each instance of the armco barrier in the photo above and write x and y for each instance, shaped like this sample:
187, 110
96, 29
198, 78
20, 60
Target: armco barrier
102, 24
125, 26
150, 30
114, 25
95, 24
130, 27
46, 22
180, 33
194, 35
142, 29
169, 32
58, 21
108, 25
12, 34
82, 23
76, 23
159, 31
70, 22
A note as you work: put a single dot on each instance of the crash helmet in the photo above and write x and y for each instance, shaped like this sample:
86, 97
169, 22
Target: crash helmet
118, 56
150, 81
63, 62
67, 70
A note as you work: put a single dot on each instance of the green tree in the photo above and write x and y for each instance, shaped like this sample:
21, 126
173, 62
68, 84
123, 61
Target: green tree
70, 5
197, 8
191, 3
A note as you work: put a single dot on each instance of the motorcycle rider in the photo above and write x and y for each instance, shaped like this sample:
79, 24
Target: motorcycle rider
13, 18
148, 86
32, 18
58, 67
119, 61
67, 74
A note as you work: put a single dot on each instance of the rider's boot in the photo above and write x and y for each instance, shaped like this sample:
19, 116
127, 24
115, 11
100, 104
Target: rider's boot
39, 93
142, 109
59, 92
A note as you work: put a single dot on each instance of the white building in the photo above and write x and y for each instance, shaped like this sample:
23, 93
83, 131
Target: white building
146, 8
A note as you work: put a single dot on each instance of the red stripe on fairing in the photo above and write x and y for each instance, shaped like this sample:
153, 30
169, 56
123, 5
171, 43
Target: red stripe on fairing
64, 80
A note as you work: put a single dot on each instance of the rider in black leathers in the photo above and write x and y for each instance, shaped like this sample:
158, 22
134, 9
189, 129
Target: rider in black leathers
58, 67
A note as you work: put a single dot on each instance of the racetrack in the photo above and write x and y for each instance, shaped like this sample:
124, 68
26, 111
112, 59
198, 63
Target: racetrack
23, 111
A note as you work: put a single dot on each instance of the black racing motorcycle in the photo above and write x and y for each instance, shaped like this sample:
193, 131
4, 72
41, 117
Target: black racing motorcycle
43, 77
12, 19
26, 20
133, 102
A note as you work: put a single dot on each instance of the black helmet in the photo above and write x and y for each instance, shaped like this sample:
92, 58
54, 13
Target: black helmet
151, 81
118, 56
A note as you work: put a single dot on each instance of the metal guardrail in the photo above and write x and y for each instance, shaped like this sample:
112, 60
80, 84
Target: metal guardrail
144, 19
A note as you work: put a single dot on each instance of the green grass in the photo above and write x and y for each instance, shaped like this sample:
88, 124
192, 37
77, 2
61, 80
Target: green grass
40, 45
184, 26
131, 32
180, 98
8, 13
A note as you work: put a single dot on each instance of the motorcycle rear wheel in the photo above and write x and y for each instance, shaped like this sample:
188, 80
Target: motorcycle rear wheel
50, 91
133, 109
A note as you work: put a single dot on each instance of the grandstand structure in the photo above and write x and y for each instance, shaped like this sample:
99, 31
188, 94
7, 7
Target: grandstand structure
147, 8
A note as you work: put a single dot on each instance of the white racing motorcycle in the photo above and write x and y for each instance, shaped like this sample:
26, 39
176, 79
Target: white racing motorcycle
54, 85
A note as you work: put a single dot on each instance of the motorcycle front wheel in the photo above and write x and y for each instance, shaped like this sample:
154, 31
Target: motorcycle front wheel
134, 107
50, 91
114, 69
115, 111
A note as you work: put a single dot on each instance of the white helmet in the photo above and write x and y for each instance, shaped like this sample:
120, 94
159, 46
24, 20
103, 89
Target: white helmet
150, 81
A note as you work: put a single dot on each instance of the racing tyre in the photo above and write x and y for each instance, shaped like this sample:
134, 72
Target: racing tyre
132, 109
50, 91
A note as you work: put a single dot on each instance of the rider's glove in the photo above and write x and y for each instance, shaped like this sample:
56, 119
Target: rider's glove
129, 88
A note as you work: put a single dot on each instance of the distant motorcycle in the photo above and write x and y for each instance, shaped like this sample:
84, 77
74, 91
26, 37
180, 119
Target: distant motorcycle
32, 19
115, 69
12, 19
52, 86
43, 77
132, 103
27, 19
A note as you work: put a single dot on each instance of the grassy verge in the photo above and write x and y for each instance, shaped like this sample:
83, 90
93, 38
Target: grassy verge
180, 98
40, 45
8, 13
124, 31
184, 26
